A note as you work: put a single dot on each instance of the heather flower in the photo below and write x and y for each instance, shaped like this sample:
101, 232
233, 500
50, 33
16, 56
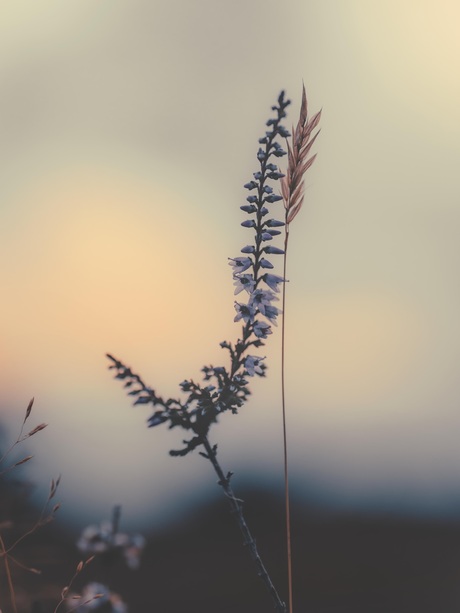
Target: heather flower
260, 298
261, 329
271, 312
273, 281
244, 312
253, 365
242, 282
240, 264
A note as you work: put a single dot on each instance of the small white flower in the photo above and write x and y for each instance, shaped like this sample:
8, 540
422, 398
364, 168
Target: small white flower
100, 539
95, 539
132, 546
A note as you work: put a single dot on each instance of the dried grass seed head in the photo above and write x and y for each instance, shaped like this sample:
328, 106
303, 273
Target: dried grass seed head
292, 185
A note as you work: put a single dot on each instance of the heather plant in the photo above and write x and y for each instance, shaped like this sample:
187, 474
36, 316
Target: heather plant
225, 387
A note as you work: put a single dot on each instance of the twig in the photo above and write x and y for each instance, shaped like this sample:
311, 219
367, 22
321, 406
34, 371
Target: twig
235, 503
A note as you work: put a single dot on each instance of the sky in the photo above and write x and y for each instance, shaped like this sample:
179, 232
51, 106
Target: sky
127, 132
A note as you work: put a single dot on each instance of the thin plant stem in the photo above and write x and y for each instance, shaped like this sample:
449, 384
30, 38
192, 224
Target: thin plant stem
292, 187
285, 445
235, 503
8, 576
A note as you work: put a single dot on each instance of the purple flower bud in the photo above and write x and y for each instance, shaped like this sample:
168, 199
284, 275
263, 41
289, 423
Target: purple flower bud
274, 232
250, 185
271, 249
249, 223
248, 249
275, 175
268, 189
278, 150
248, 208
266, 236
272, 167
283, 132
274, 223
263, 211
156, 419
263, 140
265, 263
261, 155
257, 175
251, 199
273, 198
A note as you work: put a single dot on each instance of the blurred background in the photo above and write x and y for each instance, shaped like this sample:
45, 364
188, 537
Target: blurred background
127, 132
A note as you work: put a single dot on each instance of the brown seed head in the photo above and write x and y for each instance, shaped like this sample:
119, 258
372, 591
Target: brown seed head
28, 410
292, 185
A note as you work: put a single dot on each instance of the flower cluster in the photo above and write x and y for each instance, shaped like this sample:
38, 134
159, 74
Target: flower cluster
102, 539
96, 597
251, 271
225, 388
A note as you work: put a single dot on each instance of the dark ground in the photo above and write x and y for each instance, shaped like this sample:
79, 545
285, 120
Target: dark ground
357, 564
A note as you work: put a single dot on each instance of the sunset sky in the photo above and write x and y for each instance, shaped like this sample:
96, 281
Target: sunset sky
127, 132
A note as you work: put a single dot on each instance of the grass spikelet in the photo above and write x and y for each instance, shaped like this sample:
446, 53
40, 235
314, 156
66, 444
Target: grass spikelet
292, 185
28, 410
